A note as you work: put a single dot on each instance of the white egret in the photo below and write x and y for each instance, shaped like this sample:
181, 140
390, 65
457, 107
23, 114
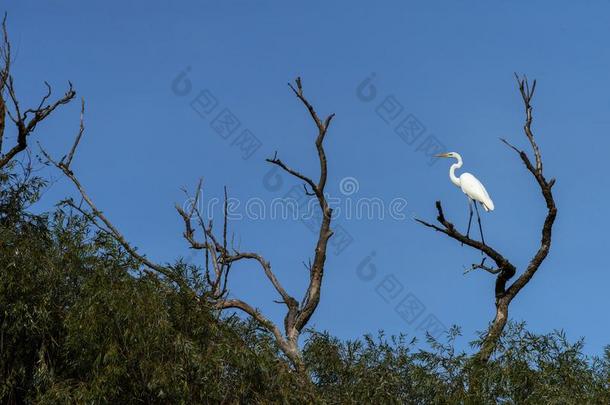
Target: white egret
472, 187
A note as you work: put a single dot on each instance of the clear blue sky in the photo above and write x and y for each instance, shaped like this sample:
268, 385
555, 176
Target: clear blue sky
449, 64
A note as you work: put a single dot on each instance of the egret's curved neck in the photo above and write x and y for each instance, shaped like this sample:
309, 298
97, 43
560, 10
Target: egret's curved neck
454, 179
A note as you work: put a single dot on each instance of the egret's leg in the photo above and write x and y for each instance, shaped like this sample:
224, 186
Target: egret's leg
479, 219
469, 217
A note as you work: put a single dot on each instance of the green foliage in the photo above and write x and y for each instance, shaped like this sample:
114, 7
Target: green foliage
534, 369
527, 369
81, 322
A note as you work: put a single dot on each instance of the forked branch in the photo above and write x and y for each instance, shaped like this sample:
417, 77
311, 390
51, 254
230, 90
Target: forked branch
222, 257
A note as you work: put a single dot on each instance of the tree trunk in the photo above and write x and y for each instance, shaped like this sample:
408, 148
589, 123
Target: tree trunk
494, 332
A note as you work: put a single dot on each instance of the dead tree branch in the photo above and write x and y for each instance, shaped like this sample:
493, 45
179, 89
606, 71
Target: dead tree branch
504, 269
27, 121
96, 216
312, 296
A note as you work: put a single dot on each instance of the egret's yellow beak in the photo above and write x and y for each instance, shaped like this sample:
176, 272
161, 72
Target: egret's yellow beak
442, 155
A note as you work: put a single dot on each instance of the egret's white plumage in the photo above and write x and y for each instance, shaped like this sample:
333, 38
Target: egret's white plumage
473, 188
470, 185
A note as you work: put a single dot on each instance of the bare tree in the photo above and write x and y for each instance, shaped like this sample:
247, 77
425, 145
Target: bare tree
221, 255
25, 120
503, 269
